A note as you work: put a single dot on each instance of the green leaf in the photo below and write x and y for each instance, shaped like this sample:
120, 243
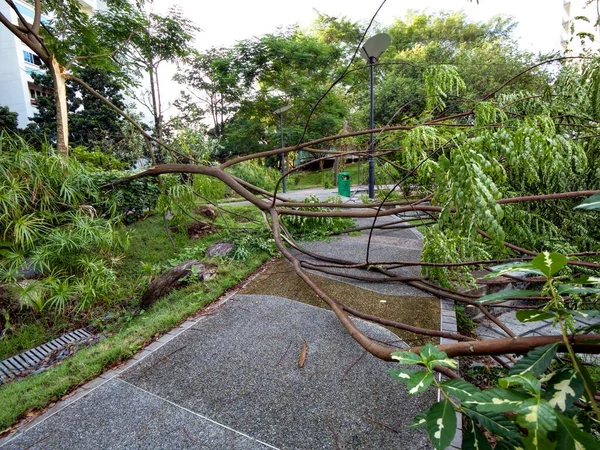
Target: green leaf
587, 379
511, 293
496, 423
403, 375
586, 279
570, 437
419, 381
473, 438
444, 163
420, 420
526, 381
433, 357
539, 418
590, 203
586, 313
534, 315
441, 424
564, 289
563, 388
462, 390
536, 361
549, 262
499, 399
509, 444
502, 269
406, 358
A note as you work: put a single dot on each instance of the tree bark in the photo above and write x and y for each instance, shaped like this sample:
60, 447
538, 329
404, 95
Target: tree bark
62, 118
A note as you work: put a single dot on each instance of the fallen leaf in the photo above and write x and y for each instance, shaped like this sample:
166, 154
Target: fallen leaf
302, 359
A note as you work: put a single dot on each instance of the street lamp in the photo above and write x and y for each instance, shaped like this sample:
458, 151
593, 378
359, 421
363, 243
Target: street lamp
280, 112
371, 51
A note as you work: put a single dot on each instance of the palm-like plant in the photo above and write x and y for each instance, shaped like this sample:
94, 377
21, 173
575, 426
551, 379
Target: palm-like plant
55, 252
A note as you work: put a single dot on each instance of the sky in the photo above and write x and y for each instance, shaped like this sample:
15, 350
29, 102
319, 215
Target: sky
223, 22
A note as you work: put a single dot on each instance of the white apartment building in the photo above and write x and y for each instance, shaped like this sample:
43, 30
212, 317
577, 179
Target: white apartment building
17, 62
576, 30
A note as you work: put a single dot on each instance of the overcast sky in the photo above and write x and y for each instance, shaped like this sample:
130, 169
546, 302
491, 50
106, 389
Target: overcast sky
223, 22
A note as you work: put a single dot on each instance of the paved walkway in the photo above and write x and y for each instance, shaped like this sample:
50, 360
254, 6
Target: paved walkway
232, 379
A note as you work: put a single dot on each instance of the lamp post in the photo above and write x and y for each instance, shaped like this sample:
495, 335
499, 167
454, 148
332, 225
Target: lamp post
371, 51
280, 112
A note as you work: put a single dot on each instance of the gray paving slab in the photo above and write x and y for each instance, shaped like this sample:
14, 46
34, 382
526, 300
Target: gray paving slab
351, 250
240, 367
118, 415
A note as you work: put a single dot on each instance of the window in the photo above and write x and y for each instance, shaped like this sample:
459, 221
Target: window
35, 92
32, 58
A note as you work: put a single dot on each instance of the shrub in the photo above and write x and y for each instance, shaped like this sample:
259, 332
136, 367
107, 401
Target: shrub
56, 252
256, 174
131, 201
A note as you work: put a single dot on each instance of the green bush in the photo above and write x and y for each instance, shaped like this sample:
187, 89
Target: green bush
56, 251
97, 160
131, 201
255, 173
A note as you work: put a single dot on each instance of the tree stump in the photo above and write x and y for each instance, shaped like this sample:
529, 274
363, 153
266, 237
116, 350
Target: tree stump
176, 278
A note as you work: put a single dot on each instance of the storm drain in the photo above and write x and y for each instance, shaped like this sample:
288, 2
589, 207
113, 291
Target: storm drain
44, 356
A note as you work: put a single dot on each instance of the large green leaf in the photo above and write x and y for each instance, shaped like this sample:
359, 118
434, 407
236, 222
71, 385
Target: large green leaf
566, 289
474, 439
416, 380
494, 422
533, 315
570, 437
587, 379
536, 361
590, 203
586, 279
563, 388
420, 420
499, 399
510, 293
524, 266
462, 390
441, 424
509, 444
419, 381
539, 418
549, 262
434, 357
526, 381
406, 358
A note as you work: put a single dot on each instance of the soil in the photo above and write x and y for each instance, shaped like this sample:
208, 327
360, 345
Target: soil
279, 279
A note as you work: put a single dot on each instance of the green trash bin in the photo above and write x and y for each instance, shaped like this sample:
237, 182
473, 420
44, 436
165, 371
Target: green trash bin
344, 184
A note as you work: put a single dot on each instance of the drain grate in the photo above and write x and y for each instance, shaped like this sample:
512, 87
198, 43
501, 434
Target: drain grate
44, 356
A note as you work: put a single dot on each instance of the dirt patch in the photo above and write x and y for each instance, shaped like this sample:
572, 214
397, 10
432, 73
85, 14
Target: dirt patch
196, 230
279, 279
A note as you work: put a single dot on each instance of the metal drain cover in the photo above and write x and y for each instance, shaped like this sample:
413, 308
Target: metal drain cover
44, 356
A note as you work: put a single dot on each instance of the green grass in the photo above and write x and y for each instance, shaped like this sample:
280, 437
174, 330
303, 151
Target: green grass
125, 332
304, 180
29, 336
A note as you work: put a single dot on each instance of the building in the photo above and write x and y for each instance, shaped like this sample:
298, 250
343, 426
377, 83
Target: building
17, 62
579, 29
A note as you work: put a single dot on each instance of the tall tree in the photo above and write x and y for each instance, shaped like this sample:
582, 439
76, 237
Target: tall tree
158, 39
62, 35
92, 123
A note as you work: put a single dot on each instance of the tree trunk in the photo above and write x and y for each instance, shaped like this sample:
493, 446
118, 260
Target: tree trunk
62, 118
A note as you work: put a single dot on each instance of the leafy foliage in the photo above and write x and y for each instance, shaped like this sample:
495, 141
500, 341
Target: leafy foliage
57, 253
312, 228
521, 411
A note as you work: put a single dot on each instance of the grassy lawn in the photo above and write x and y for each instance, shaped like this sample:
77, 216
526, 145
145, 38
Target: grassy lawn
126, 329
324, 178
